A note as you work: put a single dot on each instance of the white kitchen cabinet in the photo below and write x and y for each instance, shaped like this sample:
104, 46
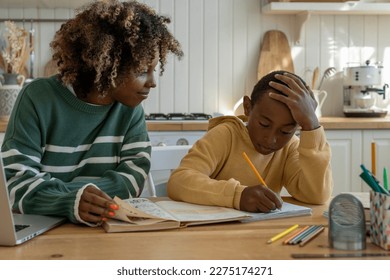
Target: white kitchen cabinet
346, 159
351, 148
382, 142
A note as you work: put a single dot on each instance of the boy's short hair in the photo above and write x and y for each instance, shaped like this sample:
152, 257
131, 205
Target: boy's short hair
263, 86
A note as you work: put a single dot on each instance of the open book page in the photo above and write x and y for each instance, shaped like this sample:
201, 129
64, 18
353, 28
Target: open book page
142, 214
140, 211
194, 214
287, 210
364, 198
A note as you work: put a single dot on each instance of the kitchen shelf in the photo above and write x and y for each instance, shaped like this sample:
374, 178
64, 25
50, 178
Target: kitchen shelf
303, 10
344, 8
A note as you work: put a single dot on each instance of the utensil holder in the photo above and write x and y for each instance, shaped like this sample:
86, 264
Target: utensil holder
380, 219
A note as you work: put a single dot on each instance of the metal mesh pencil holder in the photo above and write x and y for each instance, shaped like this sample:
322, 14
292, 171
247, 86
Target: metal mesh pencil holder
347, 228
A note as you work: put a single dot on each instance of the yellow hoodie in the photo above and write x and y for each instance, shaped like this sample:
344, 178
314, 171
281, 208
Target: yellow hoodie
214, 171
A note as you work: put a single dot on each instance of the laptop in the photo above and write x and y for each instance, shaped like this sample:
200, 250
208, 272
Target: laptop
18, 228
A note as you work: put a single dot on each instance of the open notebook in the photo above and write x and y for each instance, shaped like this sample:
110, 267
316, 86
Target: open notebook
288, 210
142, 214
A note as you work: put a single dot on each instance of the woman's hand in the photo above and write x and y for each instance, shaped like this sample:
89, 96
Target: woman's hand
298, 98
96, 206
259, 199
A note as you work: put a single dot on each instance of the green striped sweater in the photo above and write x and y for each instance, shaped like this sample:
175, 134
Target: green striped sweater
55, 145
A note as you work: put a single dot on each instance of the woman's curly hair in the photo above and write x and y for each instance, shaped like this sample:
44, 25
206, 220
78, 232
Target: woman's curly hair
106, 40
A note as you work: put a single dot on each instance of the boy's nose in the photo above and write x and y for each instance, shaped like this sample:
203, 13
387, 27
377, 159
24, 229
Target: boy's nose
271, 140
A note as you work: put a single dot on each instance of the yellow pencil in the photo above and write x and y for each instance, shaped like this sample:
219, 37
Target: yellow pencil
373, 158
283, 233
254, 168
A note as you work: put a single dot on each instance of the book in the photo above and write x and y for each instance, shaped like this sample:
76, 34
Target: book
143, 214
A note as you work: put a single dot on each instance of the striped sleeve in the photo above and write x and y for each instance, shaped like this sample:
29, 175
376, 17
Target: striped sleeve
50, 154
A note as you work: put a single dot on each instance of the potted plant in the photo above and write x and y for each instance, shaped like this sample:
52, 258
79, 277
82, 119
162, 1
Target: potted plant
14, 53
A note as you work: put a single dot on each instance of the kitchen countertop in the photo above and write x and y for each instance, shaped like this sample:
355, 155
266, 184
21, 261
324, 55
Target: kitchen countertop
329, 123
355, 123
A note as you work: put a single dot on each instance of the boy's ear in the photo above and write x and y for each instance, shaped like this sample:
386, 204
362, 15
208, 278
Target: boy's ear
247, 105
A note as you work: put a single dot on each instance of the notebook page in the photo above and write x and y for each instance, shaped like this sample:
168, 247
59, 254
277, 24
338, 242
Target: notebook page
287, 210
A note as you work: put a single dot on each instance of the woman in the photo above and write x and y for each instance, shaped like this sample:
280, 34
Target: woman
79, 138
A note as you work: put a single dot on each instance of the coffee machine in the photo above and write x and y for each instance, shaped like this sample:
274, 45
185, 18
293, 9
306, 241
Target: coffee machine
362, 85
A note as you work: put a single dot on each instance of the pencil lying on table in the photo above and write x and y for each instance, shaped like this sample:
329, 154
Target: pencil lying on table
295, 235
302, 235
283, 233
311, 236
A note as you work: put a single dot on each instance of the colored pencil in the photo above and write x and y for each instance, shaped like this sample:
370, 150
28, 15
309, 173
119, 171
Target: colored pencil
311, 236
254, 169
299, 236
283, 233
303, 235
295, 234
373, 158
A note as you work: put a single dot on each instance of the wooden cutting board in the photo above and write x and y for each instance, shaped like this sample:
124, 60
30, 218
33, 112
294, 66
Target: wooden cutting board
275, 54
50, 68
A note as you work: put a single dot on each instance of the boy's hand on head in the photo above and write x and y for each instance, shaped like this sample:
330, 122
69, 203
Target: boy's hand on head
96, 206
298, 98
259, 199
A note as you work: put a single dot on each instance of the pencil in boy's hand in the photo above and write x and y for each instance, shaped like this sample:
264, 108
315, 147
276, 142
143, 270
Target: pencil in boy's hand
254, 168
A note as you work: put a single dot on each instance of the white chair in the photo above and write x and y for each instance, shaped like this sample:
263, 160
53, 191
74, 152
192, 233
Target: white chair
164, 158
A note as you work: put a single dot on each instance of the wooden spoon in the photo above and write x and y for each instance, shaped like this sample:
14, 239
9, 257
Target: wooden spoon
316, 72
50, 68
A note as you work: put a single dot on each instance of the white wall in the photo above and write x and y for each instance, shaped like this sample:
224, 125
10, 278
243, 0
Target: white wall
221, 40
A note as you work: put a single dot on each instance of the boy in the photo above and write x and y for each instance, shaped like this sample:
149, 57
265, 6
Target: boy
214, 171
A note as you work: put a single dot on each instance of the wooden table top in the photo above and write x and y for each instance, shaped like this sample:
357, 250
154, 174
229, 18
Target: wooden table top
229, 241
